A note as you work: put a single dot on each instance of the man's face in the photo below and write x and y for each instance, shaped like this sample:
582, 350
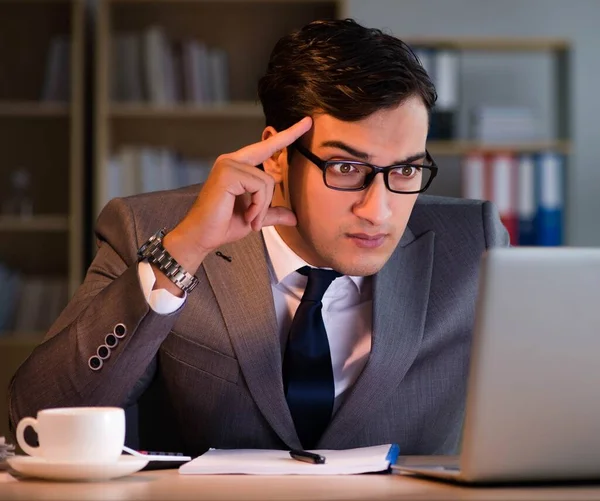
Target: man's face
353, 232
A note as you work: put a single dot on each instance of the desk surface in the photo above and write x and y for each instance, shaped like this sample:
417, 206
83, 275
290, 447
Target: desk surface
169, 485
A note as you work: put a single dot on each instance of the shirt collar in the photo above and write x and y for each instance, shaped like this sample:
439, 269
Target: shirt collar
284, 261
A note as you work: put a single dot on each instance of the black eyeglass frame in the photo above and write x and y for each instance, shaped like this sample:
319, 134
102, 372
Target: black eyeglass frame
322, 164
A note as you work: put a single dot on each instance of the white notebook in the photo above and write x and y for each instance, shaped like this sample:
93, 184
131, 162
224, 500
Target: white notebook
276, 462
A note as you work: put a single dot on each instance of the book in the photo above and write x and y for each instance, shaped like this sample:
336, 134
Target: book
154, 65
219, 81
279, 462
57, 84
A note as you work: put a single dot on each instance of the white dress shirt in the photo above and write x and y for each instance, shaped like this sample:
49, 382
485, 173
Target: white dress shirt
347, 308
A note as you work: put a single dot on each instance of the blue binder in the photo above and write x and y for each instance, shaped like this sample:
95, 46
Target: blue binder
527, 202
550, 214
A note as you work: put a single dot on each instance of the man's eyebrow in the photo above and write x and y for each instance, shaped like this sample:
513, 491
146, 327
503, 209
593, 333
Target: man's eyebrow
343, 146
365, 156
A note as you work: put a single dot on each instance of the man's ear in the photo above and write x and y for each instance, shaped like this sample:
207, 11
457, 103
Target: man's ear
275, 164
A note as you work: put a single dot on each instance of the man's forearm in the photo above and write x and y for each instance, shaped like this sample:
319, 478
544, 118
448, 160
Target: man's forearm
57, 373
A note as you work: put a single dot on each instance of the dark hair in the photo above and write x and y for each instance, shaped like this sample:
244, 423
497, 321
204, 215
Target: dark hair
342, 69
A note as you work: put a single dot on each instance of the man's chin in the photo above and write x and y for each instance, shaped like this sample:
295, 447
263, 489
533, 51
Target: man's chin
361, 265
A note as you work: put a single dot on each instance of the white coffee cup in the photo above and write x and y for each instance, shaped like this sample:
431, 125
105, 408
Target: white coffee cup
76, 434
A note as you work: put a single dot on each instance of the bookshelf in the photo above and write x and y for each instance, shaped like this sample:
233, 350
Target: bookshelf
245, 30
44, 137
41, 127
519, 164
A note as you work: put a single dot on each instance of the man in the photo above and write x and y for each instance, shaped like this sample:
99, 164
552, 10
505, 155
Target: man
334, 304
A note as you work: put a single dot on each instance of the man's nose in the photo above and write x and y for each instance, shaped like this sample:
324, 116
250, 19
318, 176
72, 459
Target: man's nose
374, 206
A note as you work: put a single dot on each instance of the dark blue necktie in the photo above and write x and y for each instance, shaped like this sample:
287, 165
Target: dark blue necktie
307, 370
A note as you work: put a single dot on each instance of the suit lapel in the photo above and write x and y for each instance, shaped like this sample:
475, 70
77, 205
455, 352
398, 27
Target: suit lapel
400, 297
242, 288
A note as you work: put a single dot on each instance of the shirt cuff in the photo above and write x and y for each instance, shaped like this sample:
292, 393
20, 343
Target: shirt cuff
160, 300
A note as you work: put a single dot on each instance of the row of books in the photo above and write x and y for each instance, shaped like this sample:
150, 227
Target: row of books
133, 170
528, 189
29, 304
504, 124
149, 67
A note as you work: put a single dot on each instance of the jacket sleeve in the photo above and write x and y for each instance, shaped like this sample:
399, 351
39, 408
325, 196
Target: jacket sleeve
494, 231
57, 373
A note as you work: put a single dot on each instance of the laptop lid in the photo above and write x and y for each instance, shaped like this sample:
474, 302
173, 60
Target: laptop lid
533, 404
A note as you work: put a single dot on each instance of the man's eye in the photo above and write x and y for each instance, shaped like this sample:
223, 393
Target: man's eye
343, 168
408, 171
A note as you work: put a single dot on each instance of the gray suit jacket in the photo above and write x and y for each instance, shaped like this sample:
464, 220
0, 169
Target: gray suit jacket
215, 365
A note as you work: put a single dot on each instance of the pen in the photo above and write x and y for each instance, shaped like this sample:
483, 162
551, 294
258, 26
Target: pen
307, 457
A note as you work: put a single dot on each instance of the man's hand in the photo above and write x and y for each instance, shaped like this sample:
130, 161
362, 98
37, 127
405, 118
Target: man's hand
234, 201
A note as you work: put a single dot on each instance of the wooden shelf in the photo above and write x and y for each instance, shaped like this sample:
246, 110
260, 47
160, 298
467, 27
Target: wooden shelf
33, 109
462, 147
240, 109
493, 44
35, 223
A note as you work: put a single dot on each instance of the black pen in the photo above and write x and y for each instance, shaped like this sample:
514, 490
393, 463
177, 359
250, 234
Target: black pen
307, 457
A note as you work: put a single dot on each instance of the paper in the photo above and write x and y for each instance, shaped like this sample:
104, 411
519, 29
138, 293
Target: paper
277, 462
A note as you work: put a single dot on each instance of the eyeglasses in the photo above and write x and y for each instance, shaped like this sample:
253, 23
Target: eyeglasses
351, 175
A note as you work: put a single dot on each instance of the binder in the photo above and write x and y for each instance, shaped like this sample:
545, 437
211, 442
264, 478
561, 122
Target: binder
527, 203
502, 189
473, 176
550, 174
446, 76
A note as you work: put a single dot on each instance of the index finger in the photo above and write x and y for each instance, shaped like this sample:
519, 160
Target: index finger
257, 153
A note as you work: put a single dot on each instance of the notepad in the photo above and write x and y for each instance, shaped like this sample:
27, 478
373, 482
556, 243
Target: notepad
279, 462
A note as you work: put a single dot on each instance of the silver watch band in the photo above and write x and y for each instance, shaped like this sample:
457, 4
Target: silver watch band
154, 252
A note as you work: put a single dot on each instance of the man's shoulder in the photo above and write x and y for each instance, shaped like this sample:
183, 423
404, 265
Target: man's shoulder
136, 217
160, 201
436, 210
157, 208
458, 219
436, 202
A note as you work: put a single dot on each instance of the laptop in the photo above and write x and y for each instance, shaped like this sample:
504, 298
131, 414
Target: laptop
533, 394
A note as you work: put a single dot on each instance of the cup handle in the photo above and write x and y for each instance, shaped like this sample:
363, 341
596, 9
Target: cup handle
23, 424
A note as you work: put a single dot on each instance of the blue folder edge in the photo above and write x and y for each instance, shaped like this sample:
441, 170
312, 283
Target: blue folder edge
393, 453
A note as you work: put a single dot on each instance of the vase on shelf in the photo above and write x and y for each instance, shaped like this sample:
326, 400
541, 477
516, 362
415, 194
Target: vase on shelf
19, 202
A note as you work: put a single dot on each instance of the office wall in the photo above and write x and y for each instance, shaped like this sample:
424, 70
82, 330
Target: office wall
576, 20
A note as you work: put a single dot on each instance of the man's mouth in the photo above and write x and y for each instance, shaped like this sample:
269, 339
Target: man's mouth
366, 240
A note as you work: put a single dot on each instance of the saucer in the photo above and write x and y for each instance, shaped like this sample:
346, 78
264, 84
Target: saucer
37, 467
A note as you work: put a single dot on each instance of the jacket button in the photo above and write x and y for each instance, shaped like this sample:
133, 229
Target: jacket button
120, 330
95, 363
111, 340
103, 351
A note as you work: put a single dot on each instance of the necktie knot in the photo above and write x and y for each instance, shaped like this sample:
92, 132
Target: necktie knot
319, 281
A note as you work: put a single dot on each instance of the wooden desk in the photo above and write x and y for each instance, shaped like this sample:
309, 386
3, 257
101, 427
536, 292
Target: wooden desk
168, 485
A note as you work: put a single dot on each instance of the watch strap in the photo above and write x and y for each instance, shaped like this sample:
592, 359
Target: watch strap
154, 252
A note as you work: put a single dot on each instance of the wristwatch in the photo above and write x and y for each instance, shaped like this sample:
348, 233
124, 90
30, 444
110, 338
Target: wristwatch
154, 252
